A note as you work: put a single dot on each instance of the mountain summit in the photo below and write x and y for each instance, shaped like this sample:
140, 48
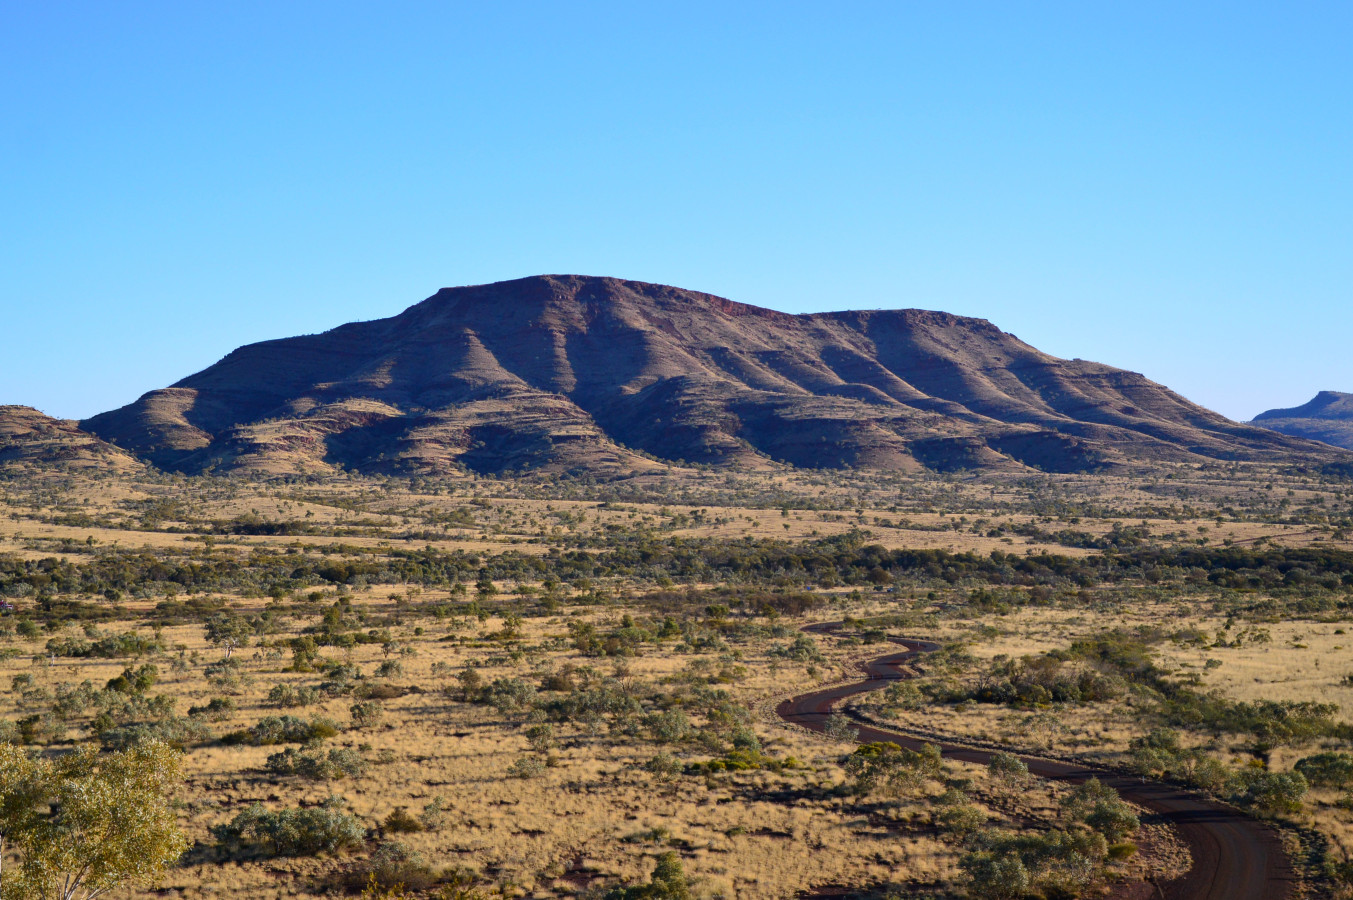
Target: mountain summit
574, 373
1328, 417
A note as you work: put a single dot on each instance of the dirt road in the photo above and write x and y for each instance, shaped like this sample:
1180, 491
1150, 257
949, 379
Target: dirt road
1235, 857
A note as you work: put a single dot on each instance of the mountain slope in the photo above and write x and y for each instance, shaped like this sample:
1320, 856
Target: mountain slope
579, 373
1328, 418
29, 439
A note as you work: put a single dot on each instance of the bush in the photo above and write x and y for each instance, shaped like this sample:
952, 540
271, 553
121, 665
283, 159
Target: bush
284, 730
663, 767
526, 767
176, 731
285, 696
960, 819
1273, 792
540, 737
216, 710
510, 695
366, 714
1332, 770
994, 876
1114, 819
668, 882
134, 680
1008, 771
401, 821
803, 649
1010, 865
435, 815
393, 864
316, 765
290, 832
668, 727
892, 768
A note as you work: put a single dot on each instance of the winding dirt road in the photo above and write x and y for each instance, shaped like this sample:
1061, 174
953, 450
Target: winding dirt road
1235, 857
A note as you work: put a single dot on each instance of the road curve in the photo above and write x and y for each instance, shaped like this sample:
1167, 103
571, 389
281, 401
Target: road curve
1235, 857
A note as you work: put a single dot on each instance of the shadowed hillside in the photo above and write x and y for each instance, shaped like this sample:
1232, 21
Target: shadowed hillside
571, 373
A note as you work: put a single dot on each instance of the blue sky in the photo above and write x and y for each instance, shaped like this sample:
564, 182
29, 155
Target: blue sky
1165, 189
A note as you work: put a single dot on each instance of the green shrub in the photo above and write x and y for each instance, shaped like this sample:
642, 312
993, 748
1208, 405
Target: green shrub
284, 730
401, 821
366, 714
290, 832
393, 864
218, 709
286, 696
1333, 770
526, 767
317, 765
668, 882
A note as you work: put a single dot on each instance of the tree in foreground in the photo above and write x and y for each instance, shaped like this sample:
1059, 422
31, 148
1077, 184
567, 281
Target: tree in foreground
85, 823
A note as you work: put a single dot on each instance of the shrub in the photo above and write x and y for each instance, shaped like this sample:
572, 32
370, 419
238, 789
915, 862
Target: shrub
401, 821
509, 694
216, 710
284, 730
526, 767
227, 675
995, 876
1008, 771
1333, 770
393, 864
803, 649
668, 727
366, 714
960, 819
176, 731
892, 768
1114, 819
435, 814
286, 696
317, 765
663, 767
839, 728
134, 680
540, 737
1274, 792
290, 832
668, 882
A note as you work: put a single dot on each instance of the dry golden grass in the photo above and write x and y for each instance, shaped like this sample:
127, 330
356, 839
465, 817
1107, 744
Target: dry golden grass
745, 835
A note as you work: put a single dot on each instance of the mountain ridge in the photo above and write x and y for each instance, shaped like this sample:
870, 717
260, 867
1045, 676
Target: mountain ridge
1327, 417
583, 373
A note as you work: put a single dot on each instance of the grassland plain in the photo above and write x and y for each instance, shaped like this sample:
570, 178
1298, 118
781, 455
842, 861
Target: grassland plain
535, 687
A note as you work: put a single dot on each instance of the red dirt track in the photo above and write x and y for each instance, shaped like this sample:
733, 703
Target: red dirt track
1235, 857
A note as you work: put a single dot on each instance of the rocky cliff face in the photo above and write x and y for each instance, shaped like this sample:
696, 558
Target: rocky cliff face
597, 374
1328, 418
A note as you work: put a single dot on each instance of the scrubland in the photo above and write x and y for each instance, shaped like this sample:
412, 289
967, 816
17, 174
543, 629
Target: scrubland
539, 687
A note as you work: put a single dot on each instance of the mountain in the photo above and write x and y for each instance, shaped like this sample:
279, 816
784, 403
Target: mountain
30, 439
600, 375
1328, 418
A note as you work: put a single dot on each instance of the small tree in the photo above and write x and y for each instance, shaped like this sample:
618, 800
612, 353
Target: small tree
227, 630
838, 728
1008, 771
85, 824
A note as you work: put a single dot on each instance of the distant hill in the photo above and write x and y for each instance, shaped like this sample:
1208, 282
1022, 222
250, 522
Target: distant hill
1328, 418
29, 438
600, 375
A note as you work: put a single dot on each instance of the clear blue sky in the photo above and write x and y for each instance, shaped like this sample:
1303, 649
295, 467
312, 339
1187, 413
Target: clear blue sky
1164, 187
